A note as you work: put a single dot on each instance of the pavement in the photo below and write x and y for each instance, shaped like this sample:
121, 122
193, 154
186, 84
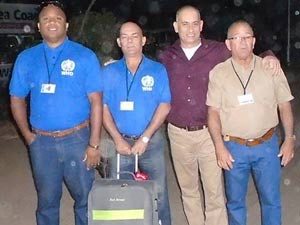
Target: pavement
18, 195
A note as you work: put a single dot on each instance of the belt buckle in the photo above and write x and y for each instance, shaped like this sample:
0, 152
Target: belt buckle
57, 133
226, 138
249, 142
187, 128
131, 137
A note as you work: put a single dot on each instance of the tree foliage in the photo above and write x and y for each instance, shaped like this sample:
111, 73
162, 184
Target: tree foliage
98, 33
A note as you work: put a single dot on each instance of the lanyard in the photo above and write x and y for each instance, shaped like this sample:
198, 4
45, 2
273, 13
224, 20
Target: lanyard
250, 75
49, 73
134, 75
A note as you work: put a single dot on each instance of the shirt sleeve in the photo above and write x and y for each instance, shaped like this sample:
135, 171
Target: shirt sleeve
19, 85
165, 94
282, 90
106, 85
94, 81
214, 89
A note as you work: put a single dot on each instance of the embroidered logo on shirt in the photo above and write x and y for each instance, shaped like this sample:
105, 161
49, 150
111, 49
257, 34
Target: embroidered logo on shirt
67, 67
147, 82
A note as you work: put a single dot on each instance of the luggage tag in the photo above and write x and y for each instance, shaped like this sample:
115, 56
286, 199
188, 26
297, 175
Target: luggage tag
48, 88
137, 175
126, 106
245, 99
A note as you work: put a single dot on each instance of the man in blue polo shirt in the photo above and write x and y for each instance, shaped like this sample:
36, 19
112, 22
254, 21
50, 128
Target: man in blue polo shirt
136, 103
63, 81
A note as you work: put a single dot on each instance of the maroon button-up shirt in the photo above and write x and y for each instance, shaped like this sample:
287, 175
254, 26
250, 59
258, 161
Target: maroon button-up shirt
189, 80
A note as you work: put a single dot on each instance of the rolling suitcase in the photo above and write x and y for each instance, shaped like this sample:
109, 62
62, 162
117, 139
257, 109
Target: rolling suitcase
122, 202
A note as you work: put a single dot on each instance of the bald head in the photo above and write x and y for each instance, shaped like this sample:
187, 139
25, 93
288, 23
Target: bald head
187, 8
131, 40
188, 25
132, 26
239, 23
240, 41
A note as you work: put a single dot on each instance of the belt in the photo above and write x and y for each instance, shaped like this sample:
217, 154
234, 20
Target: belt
253, 141
131, 137
191, 128
62, 133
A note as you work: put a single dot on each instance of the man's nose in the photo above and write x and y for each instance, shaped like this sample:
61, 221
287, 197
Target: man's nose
191, 28
130, 39
52, 20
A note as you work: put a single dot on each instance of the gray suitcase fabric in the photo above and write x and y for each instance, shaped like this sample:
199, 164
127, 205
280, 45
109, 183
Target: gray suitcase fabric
122, 202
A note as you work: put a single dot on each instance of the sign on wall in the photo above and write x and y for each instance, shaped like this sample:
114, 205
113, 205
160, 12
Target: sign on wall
18, 18
5, 71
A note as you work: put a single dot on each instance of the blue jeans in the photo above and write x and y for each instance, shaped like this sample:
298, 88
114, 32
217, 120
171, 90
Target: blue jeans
152, 162
262, 162
58, 160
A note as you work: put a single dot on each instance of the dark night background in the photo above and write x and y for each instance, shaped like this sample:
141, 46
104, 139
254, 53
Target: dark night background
268, 17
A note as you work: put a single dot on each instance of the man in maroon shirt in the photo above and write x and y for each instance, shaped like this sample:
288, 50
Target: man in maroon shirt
188, 62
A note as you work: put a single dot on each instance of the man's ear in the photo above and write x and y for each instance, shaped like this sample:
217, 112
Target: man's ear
253, 43
67, 26
175, 26
201, 25
144, 39
38, 26
119, 42
227, 42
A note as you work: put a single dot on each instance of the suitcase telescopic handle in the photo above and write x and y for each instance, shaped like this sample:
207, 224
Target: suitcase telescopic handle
136, 164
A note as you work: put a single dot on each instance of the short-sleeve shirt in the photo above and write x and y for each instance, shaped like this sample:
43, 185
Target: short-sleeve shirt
250, 120
72, 68
147, 89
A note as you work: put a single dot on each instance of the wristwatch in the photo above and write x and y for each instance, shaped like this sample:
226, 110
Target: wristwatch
96, 147
291, 137
145, 139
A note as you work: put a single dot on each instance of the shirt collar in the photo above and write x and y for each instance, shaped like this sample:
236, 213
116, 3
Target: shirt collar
58, 48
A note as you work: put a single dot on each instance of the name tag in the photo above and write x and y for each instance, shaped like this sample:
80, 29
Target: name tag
245, 99
48, 88
126, 106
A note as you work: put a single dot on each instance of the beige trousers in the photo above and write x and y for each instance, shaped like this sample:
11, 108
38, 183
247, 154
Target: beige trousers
193, 153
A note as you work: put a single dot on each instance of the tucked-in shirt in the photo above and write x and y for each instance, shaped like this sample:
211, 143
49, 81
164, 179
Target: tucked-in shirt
189, 80
147, 88
76, 72
250, 120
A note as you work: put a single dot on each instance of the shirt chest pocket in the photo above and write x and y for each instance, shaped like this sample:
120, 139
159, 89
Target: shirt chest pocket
230, 96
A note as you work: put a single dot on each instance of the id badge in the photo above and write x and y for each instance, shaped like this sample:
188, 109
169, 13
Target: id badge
126, 106
246, 99
48, 88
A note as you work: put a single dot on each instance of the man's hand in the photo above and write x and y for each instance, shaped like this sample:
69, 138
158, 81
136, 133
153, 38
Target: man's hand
29, 138
92, 157
224, 158
271, 63
139, 147
287, 151
123, 147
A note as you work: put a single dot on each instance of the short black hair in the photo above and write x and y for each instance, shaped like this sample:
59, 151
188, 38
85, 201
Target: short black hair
56, 3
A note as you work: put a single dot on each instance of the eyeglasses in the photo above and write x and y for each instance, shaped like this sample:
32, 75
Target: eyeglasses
55, 3
238, 38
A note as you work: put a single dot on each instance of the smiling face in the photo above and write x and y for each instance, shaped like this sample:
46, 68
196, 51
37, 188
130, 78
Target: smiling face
188, 25
52, 25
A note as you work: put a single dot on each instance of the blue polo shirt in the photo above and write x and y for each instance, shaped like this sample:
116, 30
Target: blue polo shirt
146, 89
72, 68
